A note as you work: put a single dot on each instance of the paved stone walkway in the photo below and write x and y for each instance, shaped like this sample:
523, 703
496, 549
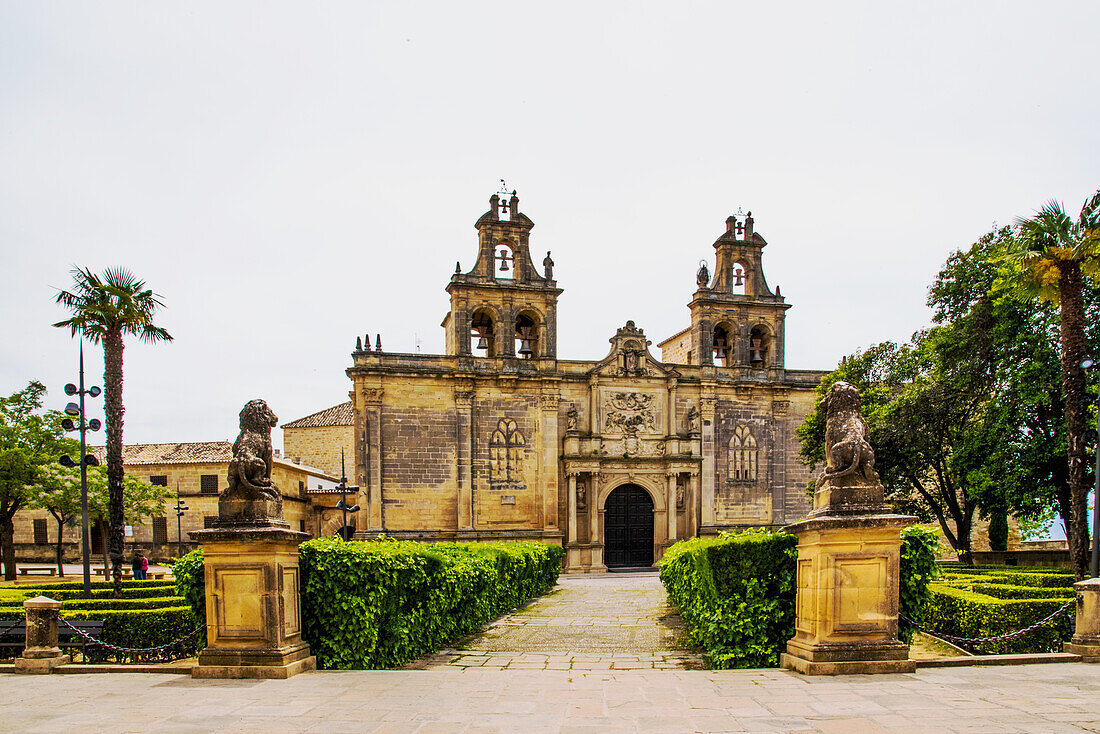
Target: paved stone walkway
590, 622
1036, 699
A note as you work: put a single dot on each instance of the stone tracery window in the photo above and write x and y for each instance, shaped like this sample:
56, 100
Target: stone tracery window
506, 447
743, 455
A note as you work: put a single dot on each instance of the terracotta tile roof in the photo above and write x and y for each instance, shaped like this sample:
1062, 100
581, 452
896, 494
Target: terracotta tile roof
337, 415
203, 452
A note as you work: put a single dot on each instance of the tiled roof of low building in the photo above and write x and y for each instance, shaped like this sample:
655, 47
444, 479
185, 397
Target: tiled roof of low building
337, 415
201, 452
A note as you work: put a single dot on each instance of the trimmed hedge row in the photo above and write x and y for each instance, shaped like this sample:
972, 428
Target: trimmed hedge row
382, 604
1008, 591
965, 613
134, 628
736, 592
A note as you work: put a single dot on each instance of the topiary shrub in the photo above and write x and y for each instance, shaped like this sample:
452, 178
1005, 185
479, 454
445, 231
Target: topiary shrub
998, 531
735, 594
381, 604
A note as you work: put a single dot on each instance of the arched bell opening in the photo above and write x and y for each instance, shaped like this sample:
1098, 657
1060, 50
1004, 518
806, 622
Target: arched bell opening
723, 345
527, 335
739, 279
504, 261
760, 343
482, 334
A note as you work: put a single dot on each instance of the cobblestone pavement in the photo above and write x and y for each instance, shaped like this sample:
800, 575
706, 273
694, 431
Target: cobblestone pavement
1034, 699
590, 622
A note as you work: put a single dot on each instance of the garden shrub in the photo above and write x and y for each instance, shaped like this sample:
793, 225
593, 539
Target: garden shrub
1005, 591
384, 603
735, 594
919, 548
965, 613
191, 581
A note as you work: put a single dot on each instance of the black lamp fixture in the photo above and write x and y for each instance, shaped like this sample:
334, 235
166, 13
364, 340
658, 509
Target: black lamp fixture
180, 509
342, 505
76, 410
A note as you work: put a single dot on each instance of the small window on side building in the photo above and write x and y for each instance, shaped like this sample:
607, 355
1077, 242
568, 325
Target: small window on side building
41, 534
159, 480
208, 483
160, 530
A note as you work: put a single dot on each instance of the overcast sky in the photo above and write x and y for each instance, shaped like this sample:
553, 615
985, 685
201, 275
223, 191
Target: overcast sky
288, 177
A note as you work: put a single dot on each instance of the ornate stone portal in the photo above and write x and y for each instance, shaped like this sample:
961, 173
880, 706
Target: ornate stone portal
253, 612
849, 556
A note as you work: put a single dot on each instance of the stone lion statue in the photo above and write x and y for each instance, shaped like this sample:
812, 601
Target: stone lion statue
849, 458
250, 467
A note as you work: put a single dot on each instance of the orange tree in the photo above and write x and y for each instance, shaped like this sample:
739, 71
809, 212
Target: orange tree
104, 309
1050, 258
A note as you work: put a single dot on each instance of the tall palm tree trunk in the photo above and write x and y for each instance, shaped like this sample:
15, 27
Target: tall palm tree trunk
112, 409
1073, 387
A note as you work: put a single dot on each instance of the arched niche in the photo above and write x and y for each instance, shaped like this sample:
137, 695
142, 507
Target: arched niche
483, 332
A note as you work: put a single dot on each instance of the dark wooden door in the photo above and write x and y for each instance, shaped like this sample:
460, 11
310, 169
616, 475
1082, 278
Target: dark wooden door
628, 528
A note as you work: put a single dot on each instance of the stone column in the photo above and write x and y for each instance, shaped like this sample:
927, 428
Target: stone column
594, 539
549, 469
706, 410
572, 548
464, 401
671, 477
372, 403
1086, 641
594, 424
40, 651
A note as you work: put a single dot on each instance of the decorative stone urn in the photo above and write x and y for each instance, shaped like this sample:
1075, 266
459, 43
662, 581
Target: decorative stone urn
253, 614
1086, 640
849, 557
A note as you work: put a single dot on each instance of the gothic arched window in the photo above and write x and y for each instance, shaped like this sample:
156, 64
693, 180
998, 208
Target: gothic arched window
506, 451
744, 457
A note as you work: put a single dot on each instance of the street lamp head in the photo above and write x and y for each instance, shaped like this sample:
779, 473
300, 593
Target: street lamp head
65, 460
70, 389
90, 460
72, 409
94, 391
68, 424
94, 424
1086, 363
353, 508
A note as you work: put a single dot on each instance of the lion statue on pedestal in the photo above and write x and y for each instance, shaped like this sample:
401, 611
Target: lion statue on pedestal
251, 495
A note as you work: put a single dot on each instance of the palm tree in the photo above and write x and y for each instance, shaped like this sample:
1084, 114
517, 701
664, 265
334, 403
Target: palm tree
1050, 257
104, 309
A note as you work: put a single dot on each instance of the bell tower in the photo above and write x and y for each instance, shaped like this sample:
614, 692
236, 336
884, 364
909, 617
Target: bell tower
736, 320
503, 306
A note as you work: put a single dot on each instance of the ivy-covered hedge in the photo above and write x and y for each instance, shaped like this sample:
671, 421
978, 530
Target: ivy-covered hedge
384, 603
966, 613
736, 592
919, 548
191, 582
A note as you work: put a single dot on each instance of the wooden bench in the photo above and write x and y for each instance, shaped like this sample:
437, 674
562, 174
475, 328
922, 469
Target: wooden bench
51, 571
14, 633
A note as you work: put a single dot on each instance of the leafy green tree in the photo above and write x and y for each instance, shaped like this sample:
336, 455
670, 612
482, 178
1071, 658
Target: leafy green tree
29, 440
1051, 258
104, 309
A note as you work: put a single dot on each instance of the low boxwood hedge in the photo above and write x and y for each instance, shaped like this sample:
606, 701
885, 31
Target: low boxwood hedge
736, 593
384, 603
966, 613
153, 602
134, 628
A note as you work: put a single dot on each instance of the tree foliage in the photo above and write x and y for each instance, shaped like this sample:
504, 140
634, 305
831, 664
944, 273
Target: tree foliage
104, 309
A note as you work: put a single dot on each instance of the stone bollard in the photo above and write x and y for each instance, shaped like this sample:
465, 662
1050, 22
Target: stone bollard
1086, 640
41, 653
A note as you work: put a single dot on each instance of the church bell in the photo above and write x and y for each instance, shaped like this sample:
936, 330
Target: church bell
755, 353
482, 343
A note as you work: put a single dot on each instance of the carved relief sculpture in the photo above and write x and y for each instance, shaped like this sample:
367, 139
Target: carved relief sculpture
582, 494
571, 418
630, 412
691, 420
251, 497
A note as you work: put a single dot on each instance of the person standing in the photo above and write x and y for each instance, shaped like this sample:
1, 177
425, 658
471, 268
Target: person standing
135, 564
144, 567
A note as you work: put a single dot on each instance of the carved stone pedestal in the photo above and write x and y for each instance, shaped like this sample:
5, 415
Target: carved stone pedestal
253, 611
1086, 640
847, 604
40, 651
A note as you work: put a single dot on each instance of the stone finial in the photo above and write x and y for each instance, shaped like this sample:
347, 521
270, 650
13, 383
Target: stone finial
748, 226
366, 342
458, 267
378, 343
40, 651
358, 343
494, 207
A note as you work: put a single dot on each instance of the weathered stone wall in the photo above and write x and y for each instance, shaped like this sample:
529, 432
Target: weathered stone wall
320, 447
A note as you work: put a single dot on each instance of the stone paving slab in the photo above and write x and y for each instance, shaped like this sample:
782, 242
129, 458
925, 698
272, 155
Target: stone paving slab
1037, 698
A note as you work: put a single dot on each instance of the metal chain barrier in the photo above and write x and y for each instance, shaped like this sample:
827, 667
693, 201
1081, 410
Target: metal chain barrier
117, 648
971, 640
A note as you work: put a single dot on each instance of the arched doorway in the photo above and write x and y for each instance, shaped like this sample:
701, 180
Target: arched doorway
628, 528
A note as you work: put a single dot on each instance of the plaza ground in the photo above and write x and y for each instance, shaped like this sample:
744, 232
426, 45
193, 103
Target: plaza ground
600, 653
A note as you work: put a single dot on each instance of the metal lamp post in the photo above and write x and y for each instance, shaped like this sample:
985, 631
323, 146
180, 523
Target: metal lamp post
77, 411
180, 509
342, 505
1094, 568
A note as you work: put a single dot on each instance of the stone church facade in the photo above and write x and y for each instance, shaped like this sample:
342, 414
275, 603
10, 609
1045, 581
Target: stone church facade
615, 459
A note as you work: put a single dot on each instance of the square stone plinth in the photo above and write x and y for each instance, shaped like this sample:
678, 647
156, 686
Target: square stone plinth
253, 610
847, 602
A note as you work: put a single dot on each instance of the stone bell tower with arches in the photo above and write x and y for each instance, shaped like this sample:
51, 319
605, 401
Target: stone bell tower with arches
736, 320
504, 306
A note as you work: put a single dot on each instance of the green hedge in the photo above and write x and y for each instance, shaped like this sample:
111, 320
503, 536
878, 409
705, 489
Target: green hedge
736, 593
191, 581
153, 602
384, 603
1007, 591
919, 548
67, 594
965, 613
134, 628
